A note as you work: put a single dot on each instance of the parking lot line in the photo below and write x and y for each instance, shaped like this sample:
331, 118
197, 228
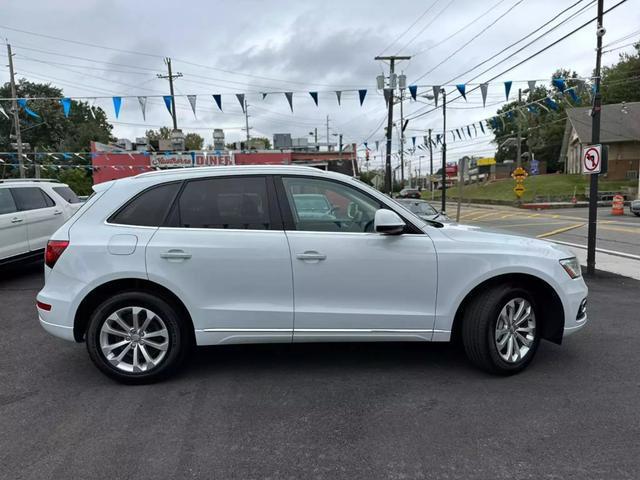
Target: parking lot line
560, 230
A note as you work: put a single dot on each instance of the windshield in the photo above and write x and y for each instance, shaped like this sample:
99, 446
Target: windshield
311, 203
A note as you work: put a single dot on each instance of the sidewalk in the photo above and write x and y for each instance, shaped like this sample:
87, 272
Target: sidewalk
625, 266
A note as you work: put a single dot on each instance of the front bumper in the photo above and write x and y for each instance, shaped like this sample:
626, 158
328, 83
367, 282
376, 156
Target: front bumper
575, 293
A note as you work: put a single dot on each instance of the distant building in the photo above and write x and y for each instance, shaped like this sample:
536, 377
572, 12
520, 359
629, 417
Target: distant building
619, 129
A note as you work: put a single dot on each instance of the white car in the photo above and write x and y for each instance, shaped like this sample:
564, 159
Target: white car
30, 211
154, 264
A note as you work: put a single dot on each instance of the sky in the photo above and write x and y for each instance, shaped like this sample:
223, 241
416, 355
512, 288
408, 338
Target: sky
250, 47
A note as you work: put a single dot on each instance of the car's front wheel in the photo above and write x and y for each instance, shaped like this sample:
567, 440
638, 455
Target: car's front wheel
136, 337
500, 330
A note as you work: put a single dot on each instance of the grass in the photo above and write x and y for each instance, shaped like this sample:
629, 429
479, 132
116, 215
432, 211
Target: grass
552, 187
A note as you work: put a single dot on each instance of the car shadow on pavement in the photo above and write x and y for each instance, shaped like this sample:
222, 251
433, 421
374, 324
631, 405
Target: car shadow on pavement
22, 275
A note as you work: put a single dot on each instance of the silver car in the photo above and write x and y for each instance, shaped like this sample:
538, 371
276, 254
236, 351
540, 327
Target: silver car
423, 209
635, 207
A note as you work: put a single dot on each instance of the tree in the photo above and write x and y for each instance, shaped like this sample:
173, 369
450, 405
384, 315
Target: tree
53, 131
76, 178
193, 141
618, 81
267, 142
163, 134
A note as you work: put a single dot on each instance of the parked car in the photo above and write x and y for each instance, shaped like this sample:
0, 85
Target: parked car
409, 193
154, 264
634, 206
30, 211
423, 209
313, 205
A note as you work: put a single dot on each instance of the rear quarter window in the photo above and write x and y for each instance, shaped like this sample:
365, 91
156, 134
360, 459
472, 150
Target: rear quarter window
149, 208
68, 194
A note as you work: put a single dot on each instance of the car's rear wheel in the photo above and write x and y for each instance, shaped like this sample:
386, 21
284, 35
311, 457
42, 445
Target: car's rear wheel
500, 330
136, 337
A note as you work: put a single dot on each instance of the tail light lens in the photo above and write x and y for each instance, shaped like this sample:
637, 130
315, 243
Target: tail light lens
53, 251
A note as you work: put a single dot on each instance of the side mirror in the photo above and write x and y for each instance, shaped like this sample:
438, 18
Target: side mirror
388, 222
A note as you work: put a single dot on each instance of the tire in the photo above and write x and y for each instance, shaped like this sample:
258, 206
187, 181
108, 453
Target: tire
167, 349
479, 322
636, 214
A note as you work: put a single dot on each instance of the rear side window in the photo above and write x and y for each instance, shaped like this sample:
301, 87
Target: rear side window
7, 204
68, 194
31, 198
149, 208
237, 203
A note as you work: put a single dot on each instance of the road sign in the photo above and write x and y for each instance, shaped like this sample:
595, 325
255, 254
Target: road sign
592, 159
519, 189
519, 174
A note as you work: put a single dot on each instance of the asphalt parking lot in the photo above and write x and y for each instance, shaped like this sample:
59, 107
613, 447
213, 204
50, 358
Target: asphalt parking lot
400, 411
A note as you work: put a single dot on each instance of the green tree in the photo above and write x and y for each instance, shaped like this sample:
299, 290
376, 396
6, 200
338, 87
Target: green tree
619, 82
76, 178
162, 134
53, 131
193, 141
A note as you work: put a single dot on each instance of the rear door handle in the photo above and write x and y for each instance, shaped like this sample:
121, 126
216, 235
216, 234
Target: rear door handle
311, 255
16, 220
175, 255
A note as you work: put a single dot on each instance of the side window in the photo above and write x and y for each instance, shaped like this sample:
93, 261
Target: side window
324, 206
30, 198
7, 204
68, 194
47, 199
238, 203
149, 208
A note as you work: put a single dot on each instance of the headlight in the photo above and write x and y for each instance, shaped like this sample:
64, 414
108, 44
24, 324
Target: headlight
572, 267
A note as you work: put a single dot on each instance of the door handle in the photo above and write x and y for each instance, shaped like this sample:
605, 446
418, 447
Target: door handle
175, 255
57, 212
16, 220
311, 255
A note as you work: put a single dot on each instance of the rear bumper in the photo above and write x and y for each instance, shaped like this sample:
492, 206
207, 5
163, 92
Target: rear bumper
62, 331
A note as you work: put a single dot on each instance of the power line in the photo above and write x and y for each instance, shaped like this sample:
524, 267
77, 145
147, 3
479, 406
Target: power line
438, 15
409, 28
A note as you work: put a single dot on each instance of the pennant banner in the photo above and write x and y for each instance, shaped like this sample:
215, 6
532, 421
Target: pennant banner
264, 95
413, 90
168, 101
462, 88
468, 131
314, 95
240, 97
218, 99
532, 85
387, 95
377, 145
507, 88
289, 96
117, 103
574, 96
192, 102
436, 92
551, 103
66, 105
484, 89
3, 112
413, 140
362, 94
339, 95
559, 83
143, 106
23, 103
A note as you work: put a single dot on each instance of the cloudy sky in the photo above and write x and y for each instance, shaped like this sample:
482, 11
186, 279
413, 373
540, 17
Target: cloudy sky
111, 47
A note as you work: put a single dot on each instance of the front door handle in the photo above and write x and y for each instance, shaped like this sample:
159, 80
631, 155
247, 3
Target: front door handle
311, 255
57, 212
16, 220
175, 255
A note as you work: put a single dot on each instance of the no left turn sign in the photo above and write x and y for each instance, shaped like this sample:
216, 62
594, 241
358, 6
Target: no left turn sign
592, 159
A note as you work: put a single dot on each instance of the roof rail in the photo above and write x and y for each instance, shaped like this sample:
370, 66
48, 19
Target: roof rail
17, 180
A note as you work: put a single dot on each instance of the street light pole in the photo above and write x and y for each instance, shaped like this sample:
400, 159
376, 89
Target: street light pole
519, 150
595, 139
444, 151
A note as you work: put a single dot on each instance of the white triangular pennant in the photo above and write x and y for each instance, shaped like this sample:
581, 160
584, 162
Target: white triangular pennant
436, 92
484, 88
3, 112
532, 85
192, 102
143, 106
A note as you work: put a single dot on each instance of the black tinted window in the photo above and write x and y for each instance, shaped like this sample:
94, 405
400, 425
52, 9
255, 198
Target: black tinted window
47, 199
68, 194
239, 203
7, 205
149, 208
31, 198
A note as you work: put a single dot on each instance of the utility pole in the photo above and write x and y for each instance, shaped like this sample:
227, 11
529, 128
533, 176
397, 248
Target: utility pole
246, 120
444, 151
519, 151
387, 166
402, 139
328, 140
430, 166
14, 108
595, 139
171, 76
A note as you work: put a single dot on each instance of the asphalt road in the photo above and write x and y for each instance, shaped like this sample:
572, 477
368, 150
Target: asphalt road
344, 411
615, 233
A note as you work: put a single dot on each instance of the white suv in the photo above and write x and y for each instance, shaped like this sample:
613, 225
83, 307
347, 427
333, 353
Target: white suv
30, 211
154, 264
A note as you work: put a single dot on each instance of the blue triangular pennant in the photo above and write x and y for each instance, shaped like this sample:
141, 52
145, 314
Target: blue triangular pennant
574, 96
413, 90
23, 103
168, 101
462, 89
218, 99
469, 131
507, 88
314, 95
559, 83
413, 140
481, 127
362, 94
551, 103
117, 103
66, 105
289, 96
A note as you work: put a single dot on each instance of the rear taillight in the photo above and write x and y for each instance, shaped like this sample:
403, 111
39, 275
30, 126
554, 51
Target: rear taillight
53, 251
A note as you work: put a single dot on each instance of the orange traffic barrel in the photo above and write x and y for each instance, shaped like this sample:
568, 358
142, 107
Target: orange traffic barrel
617, 207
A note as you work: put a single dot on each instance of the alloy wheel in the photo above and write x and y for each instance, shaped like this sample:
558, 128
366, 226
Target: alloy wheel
515, 330
134, 339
